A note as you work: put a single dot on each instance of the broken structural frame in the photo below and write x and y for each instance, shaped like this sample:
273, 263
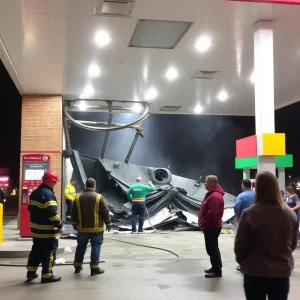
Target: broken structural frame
138, 125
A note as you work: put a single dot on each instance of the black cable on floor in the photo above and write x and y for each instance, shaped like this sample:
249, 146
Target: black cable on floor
102, 261
146, 246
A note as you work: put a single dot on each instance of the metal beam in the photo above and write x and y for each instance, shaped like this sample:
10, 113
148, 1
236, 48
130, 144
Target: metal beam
143, 117
105, 124
136, 137
107, 132
67, 133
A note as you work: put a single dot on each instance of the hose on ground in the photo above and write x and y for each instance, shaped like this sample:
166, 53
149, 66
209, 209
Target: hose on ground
103, 261
151, 247
68, 263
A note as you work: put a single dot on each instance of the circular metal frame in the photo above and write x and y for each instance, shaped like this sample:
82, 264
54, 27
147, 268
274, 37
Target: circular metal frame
115, 127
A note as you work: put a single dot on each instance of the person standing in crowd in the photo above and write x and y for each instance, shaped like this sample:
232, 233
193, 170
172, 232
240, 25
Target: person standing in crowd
294, 203
70, 194
244, 199
89, 214
137, 194
265, 240
46, 226
282, 194
210, 221
2, 196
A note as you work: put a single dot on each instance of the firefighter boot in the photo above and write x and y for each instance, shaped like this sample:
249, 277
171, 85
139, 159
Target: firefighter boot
95, 272
31, 276
51, 279
78, 270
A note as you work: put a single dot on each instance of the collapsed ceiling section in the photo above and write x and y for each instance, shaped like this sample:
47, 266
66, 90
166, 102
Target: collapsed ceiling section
174, 205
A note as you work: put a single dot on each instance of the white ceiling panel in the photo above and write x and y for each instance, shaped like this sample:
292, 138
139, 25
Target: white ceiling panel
52, 44
35, 6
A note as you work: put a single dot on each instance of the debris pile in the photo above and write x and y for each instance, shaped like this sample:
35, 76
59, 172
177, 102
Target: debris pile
173, 206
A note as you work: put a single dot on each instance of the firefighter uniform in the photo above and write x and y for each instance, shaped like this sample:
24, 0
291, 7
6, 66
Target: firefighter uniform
45, 224
89, 214
70, 194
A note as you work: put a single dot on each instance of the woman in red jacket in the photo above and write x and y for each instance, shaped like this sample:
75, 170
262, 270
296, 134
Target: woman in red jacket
266, 237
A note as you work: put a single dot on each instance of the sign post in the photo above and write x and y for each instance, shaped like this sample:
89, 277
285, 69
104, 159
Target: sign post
34, 167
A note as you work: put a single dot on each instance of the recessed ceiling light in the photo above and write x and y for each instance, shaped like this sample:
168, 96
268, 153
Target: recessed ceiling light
94, 70
223, 96
151, 94
88, 91
82, 105
102, 38
203, 44
171, 74
137, 107
198, 109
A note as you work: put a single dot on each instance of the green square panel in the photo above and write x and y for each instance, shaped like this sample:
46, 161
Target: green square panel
284, 161
244, 163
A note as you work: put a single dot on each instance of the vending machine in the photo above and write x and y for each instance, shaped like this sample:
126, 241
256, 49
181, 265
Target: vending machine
34, 167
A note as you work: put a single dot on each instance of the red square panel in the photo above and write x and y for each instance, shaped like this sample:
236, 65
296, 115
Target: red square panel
246, 147
293, 2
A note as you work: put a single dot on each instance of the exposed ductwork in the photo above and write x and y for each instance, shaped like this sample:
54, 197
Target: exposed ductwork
113, 7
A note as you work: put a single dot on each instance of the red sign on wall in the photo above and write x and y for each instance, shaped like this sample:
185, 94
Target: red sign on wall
293, 2
36, 157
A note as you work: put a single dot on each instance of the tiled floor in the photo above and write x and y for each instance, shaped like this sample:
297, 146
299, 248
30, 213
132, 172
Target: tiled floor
141, 273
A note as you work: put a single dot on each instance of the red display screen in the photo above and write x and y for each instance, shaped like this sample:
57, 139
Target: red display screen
293, 2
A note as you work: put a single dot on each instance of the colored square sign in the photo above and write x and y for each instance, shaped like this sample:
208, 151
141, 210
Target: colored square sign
293, 2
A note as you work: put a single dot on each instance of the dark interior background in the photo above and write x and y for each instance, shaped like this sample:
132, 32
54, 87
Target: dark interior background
191, 145
10, 125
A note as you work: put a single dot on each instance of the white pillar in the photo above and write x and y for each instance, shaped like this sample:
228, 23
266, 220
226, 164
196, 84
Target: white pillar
264, 87
246, 173
281, 178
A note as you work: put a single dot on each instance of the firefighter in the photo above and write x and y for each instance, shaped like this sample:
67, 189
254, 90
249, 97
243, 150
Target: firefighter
46, 226
137, 194
89, 214
70, 194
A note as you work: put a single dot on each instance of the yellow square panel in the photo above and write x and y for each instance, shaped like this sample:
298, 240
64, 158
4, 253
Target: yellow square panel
273, 144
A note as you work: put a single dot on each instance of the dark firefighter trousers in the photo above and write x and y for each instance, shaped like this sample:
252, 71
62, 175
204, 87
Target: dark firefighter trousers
69, 204
43, 251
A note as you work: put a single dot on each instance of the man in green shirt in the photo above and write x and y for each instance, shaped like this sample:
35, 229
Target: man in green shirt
137, 194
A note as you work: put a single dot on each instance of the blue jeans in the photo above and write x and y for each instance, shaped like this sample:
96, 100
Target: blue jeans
138, 209
96, 240
258, 288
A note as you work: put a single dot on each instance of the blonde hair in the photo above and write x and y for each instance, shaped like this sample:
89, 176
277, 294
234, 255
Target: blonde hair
267, 190
212, 178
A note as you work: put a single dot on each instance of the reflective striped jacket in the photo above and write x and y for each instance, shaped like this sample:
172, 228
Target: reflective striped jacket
70, 192
90, 212
44, 219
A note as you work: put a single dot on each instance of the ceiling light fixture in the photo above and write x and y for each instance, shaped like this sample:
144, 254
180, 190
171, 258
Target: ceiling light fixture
82, 105
151, 94
198, 109
137, 107
203, 44
94, 70
223, 96
102, 38
171, 74
88, 91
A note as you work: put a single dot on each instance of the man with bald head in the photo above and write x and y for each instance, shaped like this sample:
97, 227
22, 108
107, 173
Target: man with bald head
210, 221
137, 194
